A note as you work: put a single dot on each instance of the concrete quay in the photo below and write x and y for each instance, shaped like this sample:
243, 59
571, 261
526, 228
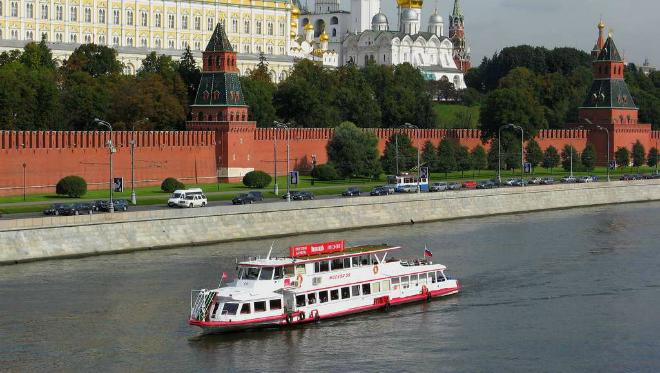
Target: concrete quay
58, 237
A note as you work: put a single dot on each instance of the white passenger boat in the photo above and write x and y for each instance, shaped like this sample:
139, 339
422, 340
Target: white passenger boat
316, 282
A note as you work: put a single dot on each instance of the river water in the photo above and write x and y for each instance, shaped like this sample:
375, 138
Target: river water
575, 290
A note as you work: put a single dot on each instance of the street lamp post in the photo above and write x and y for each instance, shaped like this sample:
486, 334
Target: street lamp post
313, 167
132, 143
24, 183
608, 149
111, 207
419, 174
288, 181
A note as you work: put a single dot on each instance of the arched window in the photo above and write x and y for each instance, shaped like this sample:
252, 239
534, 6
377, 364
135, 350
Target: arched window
334, 32
334, 20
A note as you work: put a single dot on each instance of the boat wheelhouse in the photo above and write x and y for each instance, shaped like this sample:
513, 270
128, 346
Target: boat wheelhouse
316, 282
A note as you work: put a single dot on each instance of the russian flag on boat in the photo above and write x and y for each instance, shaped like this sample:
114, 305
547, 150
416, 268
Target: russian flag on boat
427, 253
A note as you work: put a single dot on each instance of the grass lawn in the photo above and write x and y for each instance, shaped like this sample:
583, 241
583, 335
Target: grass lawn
456, 116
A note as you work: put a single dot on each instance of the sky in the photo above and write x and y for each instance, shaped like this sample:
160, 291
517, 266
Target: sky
491, 25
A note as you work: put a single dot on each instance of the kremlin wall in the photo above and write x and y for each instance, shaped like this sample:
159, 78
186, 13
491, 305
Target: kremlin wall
222, 145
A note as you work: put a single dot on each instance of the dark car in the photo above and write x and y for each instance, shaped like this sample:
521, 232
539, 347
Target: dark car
627, 177
118, 205
74, 209
379, 191
547, 181
351, 192
83, 208
249, 197
485, 184
54, 209
97, 204
519, 182
301, 196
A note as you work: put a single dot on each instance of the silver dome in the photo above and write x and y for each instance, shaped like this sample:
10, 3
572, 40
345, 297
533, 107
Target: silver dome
408, 15
379, 19
435, 19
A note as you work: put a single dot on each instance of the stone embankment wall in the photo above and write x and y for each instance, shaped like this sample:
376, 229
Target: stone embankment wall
52, 237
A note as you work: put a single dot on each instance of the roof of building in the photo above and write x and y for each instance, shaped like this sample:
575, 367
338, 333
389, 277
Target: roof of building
219, 41
219, 89
609, 52
609, 93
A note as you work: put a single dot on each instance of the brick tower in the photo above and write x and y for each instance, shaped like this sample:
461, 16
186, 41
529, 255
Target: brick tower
220, 106
457, 37
608, 103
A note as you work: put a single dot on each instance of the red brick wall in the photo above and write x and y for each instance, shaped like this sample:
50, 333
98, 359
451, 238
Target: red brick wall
49, 156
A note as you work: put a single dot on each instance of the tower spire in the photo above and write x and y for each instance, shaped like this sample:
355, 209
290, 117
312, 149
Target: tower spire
457, 9
600, 42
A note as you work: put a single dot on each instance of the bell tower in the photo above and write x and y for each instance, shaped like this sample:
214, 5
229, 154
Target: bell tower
220, 106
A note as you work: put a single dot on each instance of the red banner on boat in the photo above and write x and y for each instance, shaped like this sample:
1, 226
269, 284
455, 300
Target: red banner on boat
316, 248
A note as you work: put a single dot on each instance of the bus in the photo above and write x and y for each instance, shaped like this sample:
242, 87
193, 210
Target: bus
408, 183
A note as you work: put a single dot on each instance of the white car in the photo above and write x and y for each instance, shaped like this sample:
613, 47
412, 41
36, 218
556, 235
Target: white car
193, 200
584, 179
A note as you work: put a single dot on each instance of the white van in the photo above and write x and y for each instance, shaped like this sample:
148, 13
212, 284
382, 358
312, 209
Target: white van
179, 196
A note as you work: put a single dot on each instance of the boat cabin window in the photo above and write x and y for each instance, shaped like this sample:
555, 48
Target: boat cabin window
375, 287
266, 273
337, 264
385, 285
356, 261
356, 290
300, 269
413, 280
347, 262
334, 294
323, 296
275, 304
248, 273
300, 300
364, 260
229, 308
245, 308
260, 306
345, 292
395, 282
279, 273
322, 266
422, 278
311, 298
404, 282
432, 275
441, 276
366, 289
288, 271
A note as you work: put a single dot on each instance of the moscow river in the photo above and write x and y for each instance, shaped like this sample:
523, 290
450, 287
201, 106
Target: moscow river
574, 290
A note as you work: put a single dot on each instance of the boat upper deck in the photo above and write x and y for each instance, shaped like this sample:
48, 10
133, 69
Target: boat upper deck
348, 252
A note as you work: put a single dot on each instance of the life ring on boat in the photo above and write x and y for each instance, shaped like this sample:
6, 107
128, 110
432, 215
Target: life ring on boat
425, 290
299, 279
301, 317
288, 318
376, 269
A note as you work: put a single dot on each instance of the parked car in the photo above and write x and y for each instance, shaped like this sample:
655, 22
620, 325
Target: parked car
379, 191
627, 177
83, 208
391, 189
97, 204
351, 192
485, 184
118, 204
193, 200
547, 181
470, 184
438, 187
568, 179
594, 178
249, 197
53, 209
584, 179
510, 182
535, 180
406, 188
180, 196
301, 195
519, 182
453, 186
497, 182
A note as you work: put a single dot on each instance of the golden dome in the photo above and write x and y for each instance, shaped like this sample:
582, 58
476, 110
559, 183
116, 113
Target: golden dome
293, 34
324, 36
601, 25
294, 24
295, 11
309, 26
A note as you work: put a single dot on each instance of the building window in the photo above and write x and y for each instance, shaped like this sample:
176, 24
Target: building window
129, 17
29, 35
281, 29
101, 15
73, 14
145, 19
234, 25
246, 26
334, 32
88, 38
258, 27
115, 41
88, 15
170, 20
270, 28
44, 35
143, 42
73, 38
44, 11
246, 48
157, 20
29, 11
184, 22
270, 49
58, 12
184, 44
101, 40
0, 15
157, 42
129, 41
198, 46
115, 16
170, 44
209, 24
14, 9
58, 37
14, 34
198, 23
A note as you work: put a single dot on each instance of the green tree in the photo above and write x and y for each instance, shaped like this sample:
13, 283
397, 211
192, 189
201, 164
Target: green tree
534, 153
638, 154
83, 99
589, 157
355, 98
463, 161
8, 57
96, 60
259, 97
430, 156
158, 64
569, 156
512, 153
190, 73
652, 159
551, 158
479, 158
261, 73
354, 152
622, 156
398, 148
506, 105
446, 156
37, 55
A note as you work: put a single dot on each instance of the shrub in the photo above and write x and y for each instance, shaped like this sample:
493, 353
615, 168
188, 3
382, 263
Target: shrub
171, 184
257, 179
325, 172
72, 186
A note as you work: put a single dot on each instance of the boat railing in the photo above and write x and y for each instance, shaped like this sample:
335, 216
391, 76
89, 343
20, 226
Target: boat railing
412, 262
200, 300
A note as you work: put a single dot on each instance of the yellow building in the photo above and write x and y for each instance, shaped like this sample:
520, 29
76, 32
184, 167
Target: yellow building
138, 27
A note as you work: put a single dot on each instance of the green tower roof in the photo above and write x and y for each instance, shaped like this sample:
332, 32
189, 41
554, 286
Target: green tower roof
219, 41
219, 89
609, 93
609, 52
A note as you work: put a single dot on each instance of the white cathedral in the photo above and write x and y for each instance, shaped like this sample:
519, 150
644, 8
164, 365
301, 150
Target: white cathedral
364, 35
